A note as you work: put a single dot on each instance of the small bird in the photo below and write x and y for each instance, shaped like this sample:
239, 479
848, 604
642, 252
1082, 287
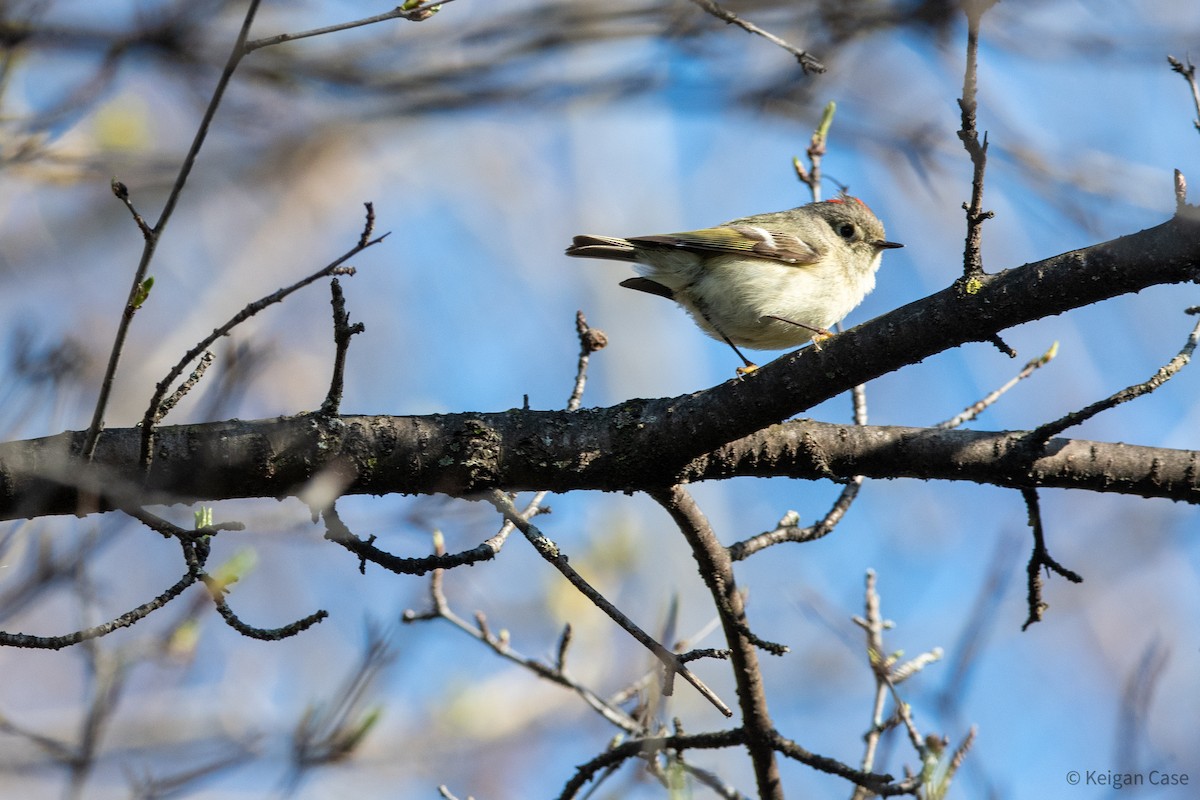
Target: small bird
766, 282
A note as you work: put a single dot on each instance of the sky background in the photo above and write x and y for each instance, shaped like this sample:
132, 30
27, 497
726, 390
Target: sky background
469, 306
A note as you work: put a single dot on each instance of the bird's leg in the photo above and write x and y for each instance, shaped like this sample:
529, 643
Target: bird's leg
819, 334
749, 366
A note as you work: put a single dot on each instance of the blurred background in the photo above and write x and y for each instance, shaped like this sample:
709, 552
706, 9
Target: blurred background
486, 137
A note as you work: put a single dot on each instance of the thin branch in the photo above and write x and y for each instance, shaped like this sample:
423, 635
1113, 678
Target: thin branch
1164, 373
879, 783
969, 135
975, 409
206, 360
647, 748
811, 176
788, 529
121, 192
716, 568
591, 340
154, 411
549, 551
1039, 558
153, 237
343, 331
124, 621
338, 532
1189, 74
408, 11
440, 609
808, 62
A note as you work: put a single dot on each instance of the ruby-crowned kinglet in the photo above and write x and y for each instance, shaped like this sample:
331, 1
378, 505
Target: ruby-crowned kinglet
768, 282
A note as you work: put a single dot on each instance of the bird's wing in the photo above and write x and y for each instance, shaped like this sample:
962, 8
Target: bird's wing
741, 239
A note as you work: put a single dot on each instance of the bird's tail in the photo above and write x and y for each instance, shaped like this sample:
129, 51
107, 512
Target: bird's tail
602, 247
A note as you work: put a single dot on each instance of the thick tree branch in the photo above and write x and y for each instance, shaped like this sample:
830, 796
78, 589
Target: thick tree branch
460, 454
661, 441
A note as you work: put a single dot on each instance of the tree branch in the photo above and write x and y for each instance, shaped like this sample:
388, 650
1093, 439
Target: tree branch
660, 441
425, 455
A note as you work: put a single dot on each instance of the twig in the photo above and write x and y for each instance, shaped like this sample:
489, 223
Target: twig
1039, 558
550, 552
808, 62
977, 408
417, 13
121, 192
1189, 74
342, 333
811, 176
888, 674
788, 529
153, 235
1042, 434
590, 341
716, 568
154, 411
440, 609
206, 360
123, 621
647, 748
337, 531
972, 256
195, 553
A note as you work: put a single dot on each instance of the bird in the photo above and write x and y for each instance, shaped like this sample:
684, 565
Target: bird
764, 282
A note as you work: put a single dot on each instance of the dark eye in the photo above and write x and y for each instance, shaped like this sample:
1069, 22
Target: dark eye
846, 230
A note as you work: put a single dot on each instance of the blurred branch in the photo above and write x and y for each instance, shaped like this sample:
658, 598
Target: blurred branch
152, 235
716, 568
549, 551
408, 11
808, 62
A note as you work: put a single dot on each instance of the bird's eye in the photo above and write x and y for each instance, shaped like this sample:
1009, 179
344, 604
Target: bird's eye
846, 230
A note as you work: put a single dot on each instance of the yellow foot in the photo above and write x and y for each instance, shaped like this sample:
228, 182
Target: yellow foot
821, 336
746, 370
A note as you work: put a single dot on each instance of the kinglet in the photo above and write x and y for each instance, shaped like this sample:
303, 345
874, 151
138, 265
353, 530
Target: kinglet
767, 282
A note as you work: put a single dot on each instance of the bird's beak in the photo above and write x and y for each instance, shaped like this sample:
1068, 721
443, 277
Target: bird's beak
886, 245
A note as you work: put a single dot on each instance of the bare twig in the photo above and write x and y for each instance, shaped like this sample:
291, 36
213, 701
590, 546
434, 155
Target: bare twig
123, 621
338, 532
808, 62
408, 10
590, 340
550, 552
1189, 74
1039, 558
647, 748
716, 568
154, 411
969, 135
788, 529
888, 674
974, 410
811, 176
1042, 434
195, 553
153, 235
206, 360
440, 609
342, 333
121, 192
